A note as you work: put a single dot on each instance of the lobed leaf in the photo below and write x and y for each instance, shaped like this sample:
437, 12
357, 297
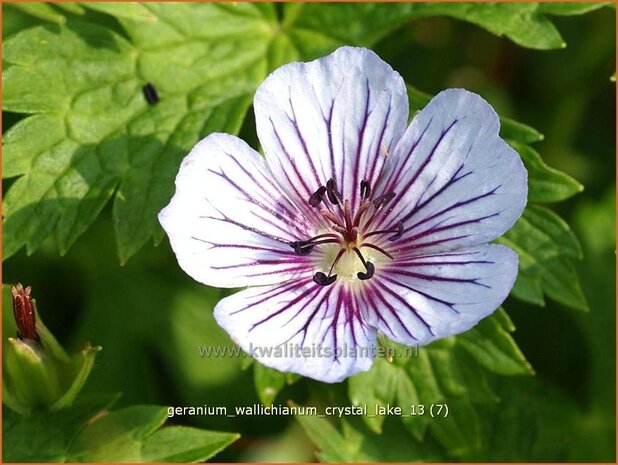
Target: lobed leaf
451, 371
545, 184
96, 134
546, 247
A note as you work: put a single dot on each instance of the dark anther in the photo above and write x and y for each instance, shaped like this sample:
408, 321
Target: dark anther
301, 248
331, 191
317, 197
323, 280
365, 189
150, 93
369, 273
399, 232
383, 199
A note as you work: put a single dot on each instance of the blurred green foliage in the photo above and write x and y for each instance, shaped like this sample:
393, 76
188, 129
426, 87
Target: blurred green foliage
151, 318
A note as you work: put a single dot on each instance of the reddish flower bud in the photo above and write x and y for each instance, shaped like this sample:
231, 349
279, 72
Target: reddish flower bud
24, 312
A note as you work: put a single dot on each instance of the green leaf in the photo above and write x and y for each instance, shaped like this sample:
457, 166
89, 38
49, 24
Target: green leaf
101, 136
569, 8
546, 247
130, 10
490, 343
183, 444
117, 436
40, 10
451, 371
511, 129
318, 26
523, 23
354, 443
74, 8
545, 184
46, 436
88, 432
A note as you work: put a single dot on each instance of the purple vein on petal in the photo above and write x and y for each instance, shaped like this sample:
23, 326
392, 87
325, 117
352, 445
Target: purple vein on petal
453, 207
275, 291
390, 308
371, 172
299, 298
360, 138
428, 277
275, 199
262, 205
436, 194
434, 229
405, 303
214, 245
451, 305
300, 137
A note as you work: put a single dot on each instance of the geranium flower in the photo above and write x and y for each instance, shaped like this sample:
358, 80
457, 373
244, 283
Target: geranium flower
351, 224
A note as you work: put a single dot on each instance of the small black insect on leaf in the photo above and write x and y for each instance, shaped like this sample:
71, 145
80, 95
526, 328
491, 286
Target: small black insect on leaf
150, 93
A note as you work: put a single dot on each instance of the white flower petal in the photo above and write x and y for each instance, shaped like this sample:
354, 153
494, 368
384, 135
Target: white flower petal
228, 222
428, 297
306, 322
335, 117
457, 182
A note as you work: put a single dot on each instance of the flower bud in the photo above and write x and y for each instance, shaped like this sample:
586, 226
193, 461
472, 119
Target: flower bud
36, 370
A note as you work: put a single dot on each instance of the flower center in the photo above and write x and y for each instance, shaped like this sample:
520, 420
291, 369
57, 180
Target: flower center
349, 240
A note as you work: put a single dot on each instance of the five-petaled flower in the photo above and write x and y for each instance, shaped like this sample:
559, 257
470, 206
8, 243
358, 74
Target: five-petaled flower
352, 224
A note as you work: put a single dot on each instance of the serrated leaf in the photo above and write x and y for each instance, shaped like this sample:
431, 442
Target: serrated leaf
102, 135
364, 23
71, 7
134, 434
379, 386
511, 129
545, 184
40, 10
130, 10
490, 343
87, 431
569, 8
46, 437
117, 436
451, 371
181, 444
354, 443
546, 247
523, 23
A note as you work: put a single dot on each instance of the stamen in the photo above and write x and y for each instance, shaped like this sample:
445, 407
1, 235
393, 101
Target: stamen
323, 280
398, 230
317, 197
365, 189
301, 248
382, 200
331, 191
371, 269
375, 247
369, 274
